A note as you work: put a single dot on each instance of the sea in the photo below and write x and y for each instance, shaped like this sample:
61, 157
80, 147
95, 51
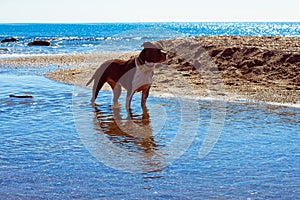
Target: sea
116, 37
56, 146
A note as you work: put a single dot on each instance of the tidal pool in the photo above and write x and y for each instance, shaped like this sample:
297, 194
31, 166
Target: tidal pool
56, 146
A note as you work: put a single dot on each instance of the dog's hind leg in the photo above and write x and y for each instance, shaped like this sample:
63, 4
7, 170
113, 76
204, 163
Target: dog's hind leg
116, 87
96, 88
117, 92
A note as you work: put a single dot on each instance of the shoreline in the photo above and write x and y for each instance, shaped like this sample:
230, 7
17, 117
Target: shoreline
254, 69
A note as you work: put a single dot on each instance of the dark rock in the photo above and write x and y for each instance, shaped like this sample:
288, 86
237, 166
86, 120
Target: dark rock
9, 40
39, 43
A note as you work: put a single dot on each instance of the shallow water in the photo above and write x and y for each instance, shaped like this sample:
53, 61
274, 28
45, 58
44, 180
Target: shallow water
56, 146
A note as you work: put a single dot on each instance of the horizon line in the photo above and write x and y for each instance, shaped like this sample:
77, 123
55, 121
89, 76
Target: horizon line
137, 22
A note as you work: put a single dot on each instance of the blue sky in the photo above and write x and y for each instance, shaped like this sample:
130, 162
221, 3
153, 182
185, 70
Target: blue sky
149, 10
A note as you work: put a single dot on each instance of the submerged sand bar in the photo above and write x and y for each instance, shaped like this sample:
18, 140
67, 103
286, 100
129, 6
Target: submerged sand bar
226, 67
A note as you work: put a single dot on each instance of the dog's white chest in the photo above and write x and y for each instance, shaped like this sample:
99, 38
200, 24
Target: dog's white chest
142, 78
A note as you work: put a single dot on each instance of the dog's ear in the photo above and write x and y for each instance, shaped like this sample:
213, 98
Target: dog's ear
152, 45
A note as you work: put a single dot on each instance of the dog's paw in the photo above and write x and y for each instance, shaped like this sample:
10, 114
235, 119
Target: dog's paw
116, 105
95, 104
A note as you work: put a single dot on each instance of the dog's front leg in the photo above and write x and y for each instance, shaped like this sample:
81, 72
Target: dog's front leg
128, 99
145, 94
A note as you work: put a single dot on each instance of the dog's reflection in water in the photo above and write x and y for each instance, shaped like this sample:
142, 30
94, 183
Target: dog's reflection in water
134, 132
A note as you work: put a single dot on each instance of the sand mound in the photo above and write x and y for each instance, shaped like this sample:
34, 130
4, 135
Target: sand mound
259, 68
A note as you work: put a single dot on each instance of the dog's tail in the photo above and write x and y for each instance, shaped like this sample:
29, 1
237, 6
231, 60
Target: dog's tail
99, 72
89, 82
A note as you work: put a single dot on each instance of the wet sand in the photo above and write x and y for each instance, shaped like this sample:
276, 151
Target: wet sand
231, 68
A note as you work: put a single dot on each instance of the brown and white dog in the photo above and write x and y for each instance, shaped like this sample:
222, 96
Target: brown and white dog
135, 74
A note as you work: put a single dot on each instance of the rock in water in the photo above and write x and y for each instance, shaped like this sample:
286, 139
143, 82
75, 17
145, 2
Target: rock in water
9, 40
39, 43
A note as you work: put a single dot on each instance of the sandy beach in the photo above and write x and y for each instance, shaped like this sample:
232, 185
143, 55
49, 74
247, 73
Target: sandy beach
224, 67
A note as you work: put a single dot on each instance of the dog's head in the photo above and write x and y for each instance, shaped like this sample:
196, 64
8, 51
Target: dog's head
152, 53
